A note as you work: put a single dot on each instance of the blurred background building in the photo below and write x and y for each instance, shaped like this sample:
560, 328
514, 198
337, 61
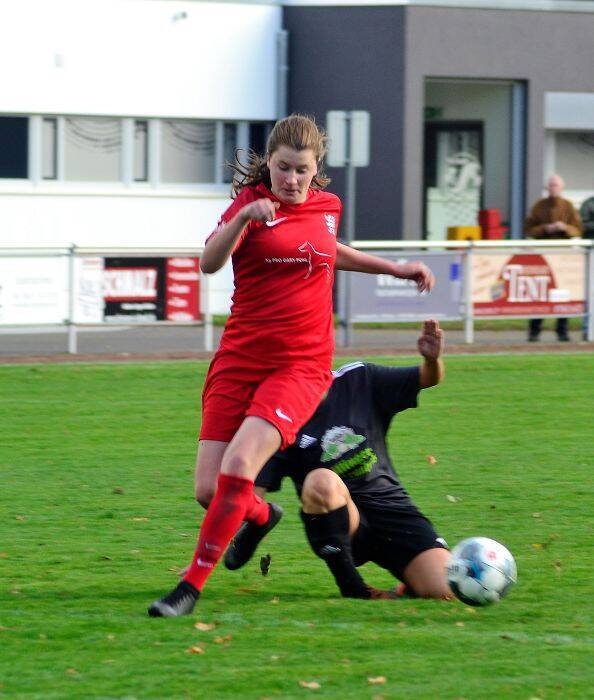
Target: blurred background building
116, 116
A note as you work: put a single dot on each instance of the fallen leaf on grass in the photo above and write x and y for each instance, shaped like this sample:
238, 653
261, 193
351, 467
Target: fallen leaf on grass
452, 499
104, 557
557, 566
71, 671
376, 680
118, 489
205, 626
20, 518
312, 685
140, 520
225, 639
459, 624
431, 459
275, 600
265, 564
195, 650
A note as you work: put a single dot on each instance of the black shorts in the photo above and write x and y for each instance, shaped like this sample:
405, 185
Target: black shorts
393, 538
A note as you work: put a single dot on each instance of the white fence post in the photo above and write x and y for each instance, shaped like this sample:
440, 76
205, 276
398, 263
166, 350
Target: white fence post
205, 309
72, 345
589, 318
468, 308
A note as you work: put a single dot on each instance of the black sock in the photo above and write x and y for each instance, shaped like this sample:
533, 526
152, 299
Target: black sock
328, 535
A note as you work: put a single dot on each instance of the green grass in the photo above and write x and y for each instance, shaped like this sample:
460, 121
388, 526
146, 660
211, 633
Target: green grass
96, 512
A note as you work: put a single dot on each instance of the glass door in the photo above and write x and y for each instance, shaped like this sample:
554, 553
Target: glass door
453, 176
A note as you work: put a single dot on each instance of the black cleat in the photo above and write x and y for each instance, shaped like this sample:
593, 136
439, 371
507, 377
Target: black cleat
248, 537
180, 601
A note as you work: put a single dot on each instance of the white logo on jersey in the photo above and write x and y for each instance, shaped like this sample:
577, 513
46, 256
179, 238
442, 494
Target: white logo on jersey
274, 222
330, 223
307, 441
314, 258
282, 415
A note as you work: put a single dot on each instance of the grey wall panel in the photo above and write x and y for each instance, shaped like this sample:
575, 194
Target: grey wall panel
352, 58
377, 58
551, 51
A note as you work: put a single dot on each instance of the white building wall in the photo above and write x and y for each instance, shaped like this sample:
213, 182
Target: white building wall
131, 58
139, 57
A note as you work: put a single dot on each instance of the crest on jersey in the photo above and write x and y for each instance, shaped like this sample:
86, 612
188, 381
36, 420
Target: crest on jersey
330, 220
338, 440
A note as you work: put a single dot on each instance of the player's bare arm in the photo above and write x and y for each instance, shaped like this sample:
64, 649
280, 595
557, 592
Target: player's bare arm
220, 246
430, 345
353, 260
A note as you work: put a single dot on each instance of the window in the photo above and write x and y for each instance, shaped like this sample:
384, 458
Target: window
140, 151
49, 142
14, 146
92, 149
125, 150
229, 148
574, 159
187, 151
258, 136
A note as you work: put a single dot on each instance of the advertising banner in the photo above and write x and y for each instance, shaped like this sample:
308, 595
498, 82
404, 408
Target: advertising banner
182, 292
33, 290
88, 290
386, 298
133, 289
528, 284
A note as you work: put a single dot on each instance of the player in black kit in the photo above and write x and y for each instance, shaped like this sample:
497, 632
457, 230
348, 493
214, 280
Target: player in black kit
354, 507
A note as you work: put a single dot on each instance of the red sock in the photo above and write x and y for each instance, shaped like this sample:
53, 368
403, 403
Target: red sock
232, 500
258, 511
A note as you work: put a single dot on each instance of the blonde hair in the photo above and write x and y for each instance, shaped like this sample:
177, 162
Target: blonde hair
297, 131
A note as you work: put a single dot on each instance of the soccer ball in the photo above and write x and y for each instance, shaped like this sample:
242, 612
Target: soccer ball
480, 571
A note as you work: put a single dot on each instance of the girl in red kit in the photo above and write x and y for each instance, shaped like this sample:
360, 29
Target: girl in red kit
273, 364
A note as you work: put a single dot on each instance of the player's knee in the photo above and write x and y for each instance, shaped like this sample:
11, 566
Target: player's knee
321, 490
204, 494
237, 464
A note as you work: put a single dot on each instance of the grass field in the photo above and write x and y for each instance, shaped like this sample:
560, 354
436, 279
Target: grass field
96, 515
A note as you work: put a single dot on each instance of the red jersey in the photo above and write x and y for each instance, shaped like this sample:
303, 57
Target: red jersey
281, 308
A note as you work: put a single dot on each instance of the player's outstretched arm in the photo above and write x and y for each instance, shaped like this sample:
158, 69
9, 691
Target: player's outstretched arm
431, 344
353, 260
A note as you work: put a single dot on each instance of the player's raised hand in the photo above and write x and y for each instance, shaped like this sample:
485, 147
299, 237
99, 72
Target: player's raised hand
431, 340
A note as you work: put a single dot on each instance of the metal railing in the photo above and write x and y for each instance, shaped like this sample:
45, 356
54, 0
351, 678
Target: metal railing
467, 251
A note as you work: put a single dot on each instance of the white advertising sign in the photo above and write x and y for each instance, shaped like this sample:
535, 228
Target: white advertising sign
33, 290
88, 285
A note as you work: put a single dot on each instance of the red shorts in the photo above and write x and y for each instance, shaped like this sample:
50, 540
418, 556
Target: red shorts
286, 397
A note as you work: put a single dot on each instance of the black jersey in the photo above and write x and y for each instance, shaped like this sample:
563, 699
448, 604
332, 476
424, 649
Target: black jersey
347, 434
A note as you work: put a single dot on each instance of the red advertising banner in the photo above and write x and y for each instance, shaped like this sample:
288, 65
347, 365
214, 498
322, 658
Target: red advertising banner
182, 290
528, 284
129, 283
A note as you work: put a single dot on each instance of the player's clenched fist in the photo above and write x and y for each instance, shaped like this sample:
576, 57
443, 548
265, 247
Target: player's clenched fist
260, 210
